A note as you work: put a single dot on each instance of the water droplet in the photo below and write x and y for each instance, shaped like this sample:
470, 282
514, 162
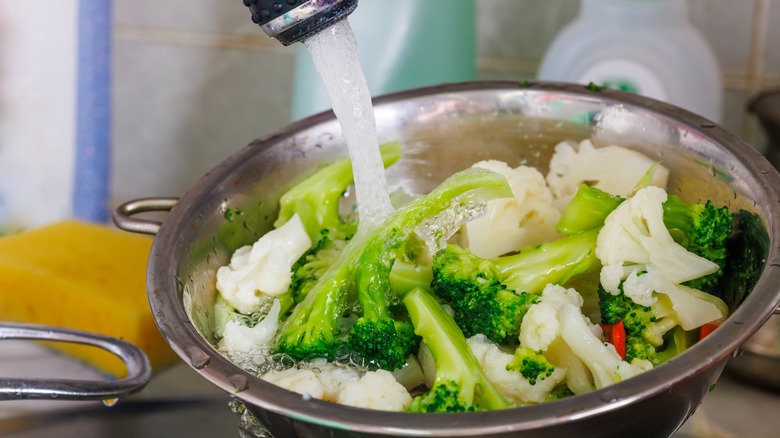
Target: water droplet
239, 381
198, 358
610, 397
110, 401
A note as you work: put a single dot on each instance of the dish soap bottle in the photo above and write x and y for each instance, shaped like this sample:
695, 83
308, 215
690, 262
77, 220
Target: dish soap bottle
648, 47
403, 44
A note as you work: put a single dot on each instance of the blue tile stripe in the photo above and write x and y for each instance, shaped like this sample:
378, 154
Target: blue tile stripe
93, 112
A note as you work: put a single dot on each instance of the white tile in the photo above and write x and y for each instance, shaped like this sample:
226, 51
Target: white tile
217, 16
727, 26
520, 28
179, 111
772, 41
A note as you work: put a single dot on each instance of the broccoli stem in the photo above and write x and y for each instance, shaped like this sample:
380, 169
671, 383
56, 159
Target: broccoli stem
553, 262
458, 372
587, 210
311, 331
316, 199
407, 276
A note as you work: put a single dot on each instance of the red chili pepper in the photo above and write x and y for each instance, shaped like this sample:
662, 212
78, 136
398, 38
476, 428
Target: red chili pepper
706, 329
616, 335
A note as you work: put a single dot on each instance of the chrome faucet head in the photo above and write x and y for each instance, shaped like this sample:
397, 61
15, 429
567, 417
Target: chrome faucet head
293, 20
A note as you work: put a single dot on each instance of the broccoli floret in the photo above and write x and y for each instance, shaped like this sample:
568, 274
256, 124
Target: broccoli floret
318, 258
748, 249
316, 199
702, 229
560, 393
460, 384
587, 210
362, 270
378, 337
531, 364
492, 296
636, 318
652, 333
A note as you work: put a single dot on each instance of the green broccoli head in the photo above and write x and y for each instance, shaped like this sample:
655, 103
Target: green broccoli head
312, 264
532, 365
482, 304
383, 343
703, 229
460, 384
491, 297
363, 267
443, 397
316, 199
458, 273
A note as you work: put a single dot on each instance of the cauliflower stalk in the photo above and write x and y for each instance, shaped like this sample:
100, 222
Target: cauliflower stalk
263, 269
614, 169
526, 219
556, 326
640, 256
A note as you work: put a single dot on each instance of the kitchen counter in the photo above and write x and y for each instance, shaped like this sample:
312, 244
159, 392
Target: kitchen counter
179, 402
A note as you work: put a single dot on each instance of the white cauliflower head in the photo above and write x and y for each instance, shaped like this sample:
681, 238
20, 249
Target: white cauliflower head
263, 269
556, 326
509, 224
614, 169
375, 390
339, 384
636, 249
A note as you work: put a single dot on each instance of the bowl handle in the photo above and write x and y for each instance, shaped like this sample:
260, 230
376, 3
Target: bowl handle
123, 215
139, 370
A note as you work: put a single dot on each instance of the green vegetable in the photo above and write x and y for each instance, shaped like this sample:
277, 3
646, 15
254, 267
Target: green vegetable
587, 210
362, 270
492, 296
748, 248
316, 199
460, 384
702, 229
531, 364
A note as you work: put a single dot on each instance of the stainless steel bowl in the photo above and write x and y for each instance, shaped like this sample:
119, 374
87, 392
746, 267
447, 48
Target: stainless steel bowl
445, 129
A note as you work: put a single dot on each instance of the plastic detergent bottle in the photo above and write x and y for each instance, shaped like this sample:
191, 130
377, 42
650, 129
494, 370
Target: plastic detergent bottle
403, 44
648, 47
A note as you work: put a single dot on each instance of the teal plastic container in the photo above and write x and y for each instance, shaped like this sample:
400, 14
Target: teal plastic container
403, 44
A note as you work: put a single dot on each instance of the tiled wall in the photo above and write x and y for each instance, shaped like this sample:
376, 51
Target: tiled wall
195, 80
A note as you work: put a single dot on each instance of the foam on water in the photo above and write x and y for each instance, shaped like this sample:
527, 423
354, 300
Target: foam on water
334, 52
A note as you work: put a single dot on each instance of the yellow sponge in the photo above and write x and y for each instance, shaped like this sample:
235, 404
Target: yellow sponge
82, 276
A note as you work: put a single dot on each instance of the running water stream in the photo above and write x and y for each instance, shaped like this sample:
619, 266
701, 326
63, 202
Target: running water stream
334, 52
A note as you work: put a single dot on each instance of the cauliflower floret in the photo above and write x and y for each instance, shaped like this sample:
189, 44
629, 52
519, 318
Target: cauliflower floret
556, 326
511, 384
614, 169
375, 390
511, 223
238, 338
636, 249
338, 384
301, 380
263, 269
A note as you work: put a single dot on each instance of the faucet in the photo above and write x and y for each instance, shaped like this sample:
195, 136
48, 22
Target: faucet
293, 20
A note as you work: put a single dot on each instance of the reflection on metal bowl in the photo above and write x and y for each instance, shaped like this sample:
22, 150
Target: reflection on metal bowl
445, 129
